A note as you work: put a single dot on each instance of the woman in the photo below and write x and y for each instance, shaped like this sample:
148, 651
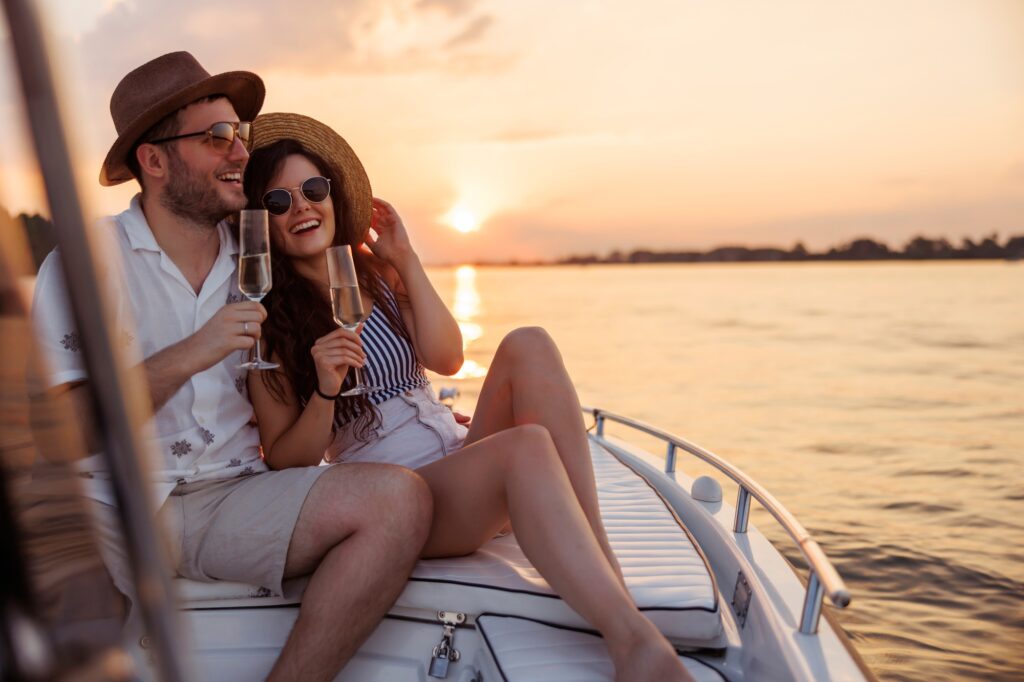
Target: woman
524, 460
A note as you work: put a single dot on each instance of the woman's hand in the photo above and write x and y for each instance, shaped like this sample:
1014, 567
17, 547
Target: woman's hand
392, 243
333, 354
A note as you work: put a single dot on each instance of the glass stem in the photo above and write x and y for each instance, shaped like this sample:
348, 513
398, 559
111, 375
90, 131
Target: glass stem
358, 376
259, 355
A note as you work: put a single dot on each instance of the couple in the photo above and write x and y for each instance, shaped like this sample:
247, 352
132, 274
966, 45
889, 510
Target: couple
358, 526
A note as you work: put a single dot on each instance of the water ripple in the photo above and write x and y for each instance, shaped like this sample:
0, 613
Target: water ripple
921, 507
955, 472
851, 448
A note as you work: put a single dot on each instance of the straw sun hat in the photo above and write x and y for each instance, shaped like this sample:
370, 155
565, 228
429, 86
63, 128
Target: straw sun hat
321, 140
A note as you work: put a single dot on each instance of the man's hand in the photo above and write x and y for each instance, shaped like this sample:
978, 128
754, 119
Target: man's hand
234, 327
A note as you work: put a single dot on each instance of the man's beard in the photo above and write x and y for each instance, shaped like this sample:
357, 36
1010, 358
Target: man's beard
190, 195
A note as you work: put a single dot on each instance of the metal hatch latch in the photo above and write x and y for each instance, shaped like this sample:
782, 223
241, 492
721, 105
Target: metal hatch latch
445, 652
741, 599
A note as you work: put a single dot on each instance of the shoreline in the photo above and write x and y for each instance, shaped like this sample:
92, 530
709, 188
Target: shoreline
811, 261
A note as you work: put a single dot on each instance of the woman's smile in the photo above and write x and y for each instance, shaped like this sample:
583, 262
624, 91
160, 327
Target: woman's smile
306, 227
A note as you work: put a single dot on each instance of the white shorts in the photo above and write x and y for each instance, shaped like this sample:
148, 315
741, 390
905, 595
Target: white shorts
415, 430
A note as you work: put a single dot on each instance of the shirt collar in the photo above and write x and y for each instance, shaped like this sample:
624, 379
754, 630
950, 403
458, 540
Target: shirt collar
133, 220
141, 238
228, 238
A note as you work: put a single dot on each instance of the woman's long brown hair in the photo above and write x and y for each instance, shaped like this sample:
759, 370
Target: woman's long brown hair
298, 311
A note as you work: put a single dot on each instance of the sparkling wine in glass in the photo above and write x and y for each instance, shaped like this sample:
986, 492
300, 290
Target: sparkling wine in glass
254, 279
346, 303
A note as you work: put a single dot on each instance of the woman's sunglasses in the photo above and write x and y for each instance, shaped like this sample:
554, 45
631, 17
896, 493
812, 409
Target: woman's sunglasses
221, 135
315, 190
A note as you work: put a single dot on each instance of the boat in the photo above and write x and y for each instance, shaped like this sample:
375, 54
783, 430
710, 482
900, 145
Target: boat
720, 591
726, 597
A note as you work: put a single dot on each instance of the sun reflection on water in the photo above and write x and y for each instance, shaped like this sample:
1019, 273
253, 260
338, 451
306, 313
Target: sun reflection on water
465, 307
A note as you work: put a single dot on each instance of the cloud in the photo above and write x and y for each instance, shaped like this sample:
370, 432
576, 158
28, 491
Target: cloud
471, 33
531, 135
901, 181
528, 135
318, 36
449, 7
316, 40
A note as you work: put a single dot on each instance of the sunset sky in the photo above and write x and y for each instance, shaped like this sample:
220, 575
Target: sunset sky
536, 129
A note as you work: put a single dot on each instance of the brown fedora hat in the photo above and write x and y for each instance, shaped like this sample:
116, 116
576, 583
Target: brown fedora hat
329, 145
162, 86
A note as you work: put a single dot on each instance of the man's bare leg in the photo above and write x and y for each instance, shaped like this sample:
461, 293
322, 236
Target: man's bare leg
359, 533
527, 383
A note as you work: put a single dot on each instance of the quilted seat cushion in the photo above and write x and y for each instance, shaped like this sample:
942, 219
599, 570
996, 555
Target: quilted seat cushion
527, 651
665, 572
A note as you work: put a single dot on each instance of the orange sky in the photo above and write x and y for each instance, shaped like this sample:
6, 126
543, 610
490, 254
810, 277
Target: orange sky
587, 125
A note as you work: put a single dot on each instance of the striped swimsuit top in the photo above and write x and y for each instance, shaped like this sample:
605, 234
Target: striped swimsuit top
391, 364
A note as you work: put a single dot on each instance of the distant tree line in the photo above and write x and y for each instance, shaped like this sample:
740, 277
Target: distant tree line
918, 248
38, 232
41, 240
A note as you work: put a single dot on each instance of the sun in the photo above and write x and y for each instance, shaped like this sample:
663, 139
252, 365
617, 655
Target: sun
462, 219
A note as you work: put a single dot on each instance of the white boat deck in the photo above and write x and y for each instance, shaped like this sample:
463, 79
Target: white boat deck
516, 628
527, 651
665, 571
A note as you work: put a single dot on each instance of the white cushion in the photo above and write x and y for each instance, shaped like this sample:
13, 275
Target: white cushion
527, 651
223, 594
666, 574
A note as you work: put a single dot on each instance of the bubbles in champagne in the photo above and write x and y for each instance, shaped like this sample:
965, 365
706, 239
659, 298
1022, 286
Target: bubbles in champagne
254, 275
347, 305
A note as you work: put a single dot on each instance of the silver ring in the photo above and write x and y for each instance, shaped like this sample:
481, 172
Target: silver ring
245, 328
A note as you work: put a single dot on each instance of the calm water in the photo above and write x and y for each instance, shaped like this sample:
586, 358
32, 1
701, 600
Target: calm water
882, 403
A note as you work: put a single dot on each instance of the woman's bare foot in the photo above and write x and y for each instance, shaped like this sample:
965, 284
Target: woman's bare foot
648, 657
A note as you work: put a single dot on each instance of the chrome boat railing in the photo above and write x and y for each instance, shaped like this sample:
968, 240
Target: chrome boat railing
823, 579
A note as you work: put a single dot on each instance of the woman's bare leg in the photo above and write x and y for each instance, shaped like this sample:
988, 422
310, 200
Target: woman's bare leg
527, 383
517, 475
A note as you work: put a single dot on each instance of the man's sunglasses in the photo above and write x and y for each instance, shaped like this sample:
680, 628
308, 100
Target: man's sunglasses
222, 135
315, 190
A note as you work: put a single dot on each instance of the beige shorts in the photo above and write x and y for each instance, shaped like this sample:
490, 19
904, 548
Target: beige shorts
239, 529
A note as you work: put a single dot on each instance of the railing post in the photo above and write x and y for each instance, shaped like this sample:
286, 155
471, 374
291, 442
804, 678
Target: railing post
742, 511
823, 576
812, 605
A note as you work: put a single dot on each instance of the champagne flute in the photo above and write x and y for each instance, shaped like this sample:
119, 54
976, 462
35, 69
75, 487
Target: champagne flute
254, 278
346, 302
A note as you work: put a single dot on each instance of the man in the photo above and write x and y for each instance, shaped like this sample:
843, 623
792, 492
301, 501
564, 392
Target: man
357, 529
